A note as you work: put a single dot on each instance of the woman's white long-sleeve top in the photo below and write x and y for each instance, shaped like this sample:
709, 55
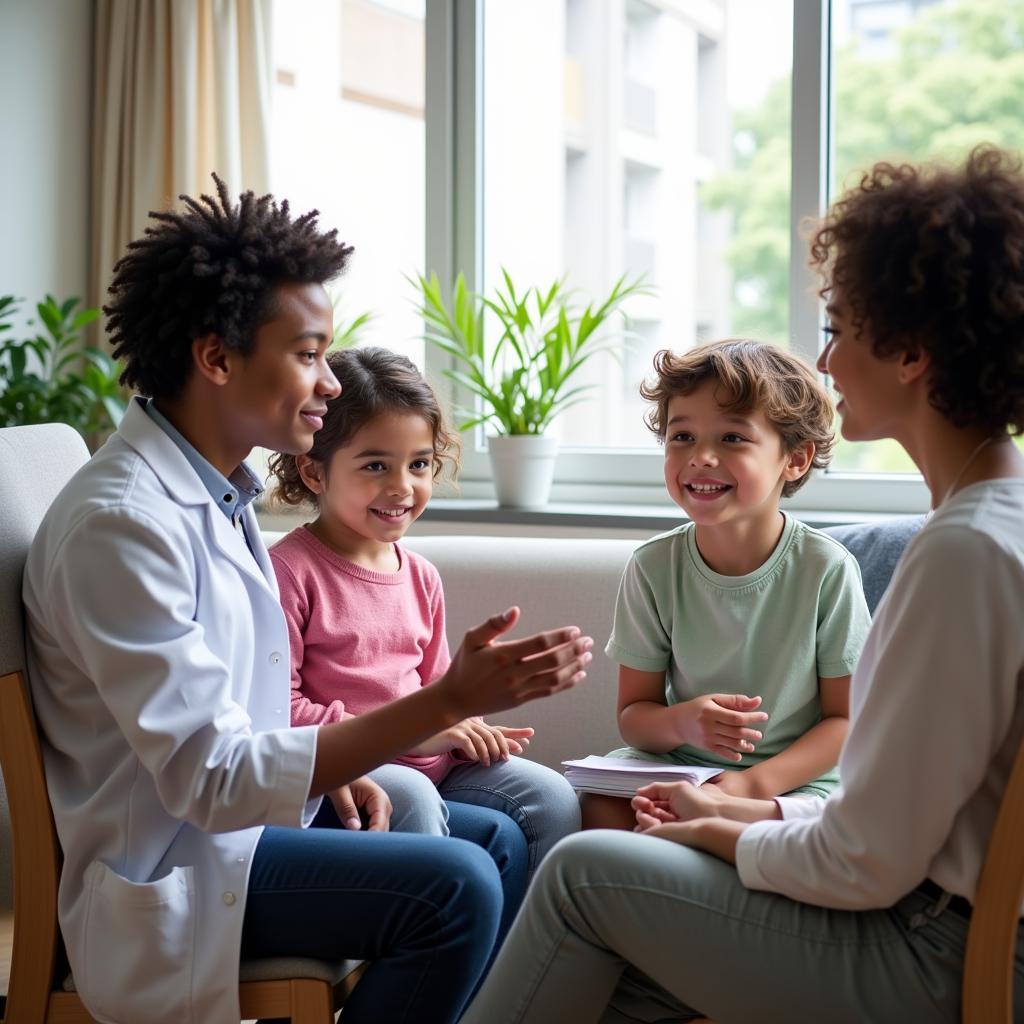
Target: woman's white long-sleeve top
158, 663
937, 717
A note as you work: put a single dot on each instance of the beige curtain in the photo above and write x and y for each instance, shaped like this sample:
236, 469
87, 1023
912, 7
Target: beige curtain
181, 88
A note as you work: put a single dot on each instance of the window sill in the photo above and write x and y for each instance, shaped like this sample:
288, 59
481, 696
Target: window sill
560, 519
649, 519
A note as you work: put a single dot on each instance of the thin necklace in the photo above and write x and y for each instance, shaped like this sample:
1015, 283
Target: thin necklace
963, 469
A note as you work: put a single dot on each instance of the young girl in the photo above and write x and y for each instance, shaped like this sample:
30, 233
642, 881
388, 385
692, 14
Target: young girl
742, 599
366, 615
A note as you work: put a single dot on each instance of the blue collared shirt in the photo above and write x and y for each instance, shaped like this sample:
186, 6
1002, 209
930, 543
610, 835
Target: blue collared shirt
230, 494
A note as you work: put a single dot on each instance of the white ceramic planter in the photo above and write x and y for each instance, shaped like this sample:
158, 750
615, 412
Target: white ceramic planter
523, 466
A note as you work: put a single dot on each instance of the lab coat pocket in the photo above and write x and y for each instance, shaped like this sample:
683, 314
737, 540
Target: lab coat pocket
139, 947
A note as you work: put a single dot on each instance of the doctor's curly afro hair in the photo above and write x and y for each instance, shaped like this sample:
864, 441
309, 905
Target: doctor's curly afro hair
211, 269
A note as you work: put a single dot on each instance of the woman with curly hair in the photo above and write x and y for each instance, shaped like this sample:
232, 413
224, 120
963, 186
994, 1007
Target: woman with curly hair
158, 661
856, 908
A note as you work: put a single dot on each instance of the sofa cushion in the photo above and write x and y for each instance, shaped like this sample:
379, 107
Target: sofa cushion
877, 547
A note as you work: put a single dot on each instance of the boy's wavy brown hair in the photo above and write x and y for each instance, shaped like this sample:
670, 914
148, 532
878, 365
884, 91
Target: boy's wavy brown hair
373, 381
932, 258
751, 375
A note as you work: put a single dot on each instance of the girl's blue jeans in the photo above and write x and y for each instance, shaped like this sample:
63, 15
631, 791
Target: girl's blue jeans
429, 913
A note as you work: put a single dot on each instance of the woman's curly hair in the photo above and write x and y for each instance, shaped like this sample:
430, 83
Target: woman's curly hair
373, 381
932, 258
750, 375
211, 269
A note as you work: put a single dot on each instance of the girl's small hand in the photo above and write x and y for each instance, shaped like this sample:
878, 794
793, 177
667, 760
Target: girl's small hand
723, 723
475, 740
518, 739
362, 794
485, 743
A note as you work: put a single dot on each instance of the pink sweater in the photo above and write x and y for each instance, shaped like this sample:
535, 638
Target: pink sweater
359, 639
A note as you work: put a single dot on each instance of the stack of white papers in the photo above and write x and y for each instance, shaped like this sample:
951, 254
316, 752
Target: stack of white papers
619, 776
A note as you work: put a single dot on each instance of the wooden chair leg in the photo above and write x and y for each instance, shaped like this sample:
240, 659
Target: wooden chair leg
312, 1001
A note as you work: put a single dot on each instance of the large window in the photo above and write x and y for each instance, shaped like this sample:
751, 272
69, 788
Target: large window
348, 139
615, 155
681, 140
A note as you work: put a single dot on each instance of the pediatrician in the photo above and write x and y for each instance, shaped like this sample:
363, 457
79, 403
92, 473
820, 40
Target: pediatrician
158, 662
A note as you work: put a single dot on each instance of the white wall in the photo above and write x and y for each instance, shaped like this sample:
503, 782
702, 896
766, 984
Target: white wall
45, 118
45, 112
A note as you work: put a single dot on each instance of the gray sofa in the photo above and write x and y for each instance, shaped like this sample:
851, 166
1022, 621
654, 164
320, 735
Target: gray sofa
557, 582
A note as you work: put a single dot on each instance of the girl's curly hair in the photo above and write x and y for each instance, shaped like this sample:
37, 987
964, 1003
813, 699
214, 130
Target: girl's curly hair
211, 269
373, 381
932, 258
750, 375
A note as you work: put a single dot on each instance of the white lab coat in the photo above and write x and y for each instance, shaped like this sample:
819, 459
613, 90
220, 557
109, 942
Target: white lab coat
158, 663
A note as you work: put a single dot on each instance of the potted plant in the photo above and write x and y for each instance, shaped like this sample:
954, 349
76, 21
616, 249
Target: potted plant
526, 378
52, 378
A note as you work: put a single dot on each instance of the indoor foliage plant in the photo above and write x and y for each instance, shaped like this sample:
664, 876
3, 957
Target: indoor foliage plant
527, 376
52, 378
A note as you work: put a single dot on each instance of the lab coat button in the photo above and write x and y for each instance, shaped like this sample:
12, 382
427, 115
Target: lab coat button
275, 658
229, 899
277, 711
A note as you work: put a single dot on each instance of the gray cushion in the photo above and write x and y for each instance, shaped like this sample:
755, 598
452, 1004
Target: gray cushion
35, 463
877, 547
296, 967
280, 968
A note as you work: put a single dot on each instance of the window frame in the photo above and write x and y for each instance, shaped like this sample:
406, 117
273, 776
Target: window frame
454, 241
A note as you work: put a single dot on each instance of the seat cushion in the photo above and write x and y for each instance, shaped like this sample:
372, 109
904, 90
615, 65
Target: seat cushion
877, 546
280, 968
276, 968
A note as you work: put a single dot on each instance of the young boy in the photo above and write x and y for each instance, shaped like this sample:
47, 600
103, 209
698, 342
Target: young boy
736, 633
158, 660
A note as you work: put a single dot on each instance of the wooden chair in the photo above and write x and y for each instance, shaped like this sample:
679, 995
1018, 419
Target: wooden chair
35, 462
992, 938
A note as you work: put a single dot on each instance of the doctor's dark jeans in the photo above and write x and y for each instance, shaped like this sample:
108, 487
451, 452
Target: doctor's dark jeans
429, 912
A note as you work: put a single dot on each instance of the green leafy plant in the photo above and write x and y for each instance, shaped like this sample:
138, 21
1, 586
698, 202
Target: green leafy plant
52, 377
348, 333
526, 379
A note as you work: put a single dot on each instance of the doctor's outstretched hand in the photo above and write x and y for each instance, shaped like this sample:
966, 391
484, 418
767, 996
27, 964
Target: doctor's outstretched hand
488, 674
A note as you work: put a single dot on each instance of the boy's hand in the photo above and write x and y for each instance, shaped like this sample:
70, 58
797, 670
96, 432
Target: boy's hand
475, 740
362, 794
720, 722
491, 675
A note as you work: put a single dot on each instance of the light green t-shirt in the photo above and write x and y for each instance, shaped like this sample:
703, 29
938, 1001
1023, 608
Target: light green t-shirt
772, 633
